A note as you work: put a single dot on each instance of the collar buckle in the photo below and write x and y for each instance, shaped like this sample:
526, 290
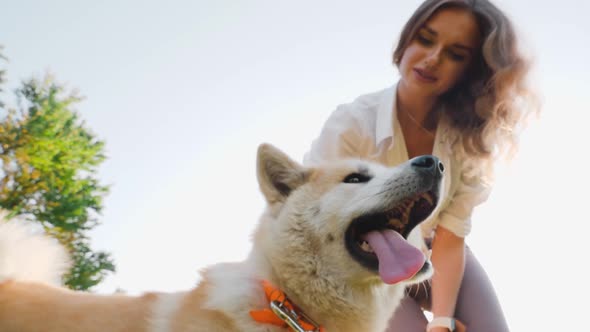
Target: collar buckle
292, 318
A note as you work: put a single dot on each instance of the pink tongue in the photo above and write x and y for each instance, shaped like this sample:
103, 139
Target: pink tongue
398, 259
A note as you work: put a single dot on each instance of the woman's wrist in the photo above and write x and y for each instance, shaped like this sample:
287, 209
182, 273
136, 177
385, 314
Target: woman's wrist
441, 323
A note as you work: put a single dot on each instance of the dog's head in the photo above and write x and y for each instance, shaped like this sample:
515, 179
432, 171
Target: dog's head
346, 221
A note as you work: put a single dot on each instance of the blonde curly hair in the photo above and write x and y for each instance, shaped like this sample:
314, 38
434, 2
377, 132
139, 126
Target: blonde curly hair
490, 106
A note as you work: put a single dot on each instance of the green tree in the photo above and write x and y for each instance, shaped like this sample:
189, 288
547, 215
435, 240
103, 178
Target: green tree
49, 161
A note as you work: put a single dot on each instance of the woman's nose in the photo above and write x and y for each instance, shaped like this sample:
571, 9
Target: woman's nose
433, 58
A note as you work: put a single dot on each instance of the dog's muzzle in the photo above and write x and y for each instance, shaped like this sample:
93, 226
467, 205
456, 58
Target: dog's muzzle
401, 217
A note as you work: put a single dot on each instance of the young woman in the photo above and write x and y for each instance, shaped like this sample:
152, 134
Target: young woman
461, 96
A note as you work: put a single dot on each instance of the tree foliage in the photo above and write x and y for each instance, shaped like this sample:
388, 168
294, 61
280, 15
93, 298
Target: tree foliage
49, 161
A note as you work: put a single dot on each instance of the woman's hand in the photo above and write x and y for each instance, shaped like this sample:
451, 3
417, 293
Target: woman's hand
439, 329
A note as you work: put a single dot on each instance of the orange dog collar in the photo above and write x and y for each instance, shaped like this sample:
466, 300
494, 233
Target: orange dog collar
283, 312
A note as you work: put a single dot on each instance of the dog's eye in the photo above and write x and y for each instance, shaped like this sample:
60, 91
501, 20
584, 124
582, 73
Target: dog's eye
356, 178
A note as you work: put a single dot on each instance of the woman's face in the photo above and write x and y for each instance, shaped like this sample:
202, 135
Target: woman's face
440, 53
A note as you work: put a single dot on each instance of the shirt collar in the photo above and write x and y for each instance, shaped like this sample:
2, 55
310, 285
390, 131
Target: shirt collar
385, 113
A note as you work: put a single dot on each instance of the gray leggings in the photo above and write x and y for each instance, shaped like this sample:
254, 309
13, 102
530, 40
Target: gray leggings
477, 305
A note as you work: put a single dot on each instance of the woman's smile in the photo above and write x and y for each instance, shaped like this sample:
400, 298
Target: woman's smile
424, 76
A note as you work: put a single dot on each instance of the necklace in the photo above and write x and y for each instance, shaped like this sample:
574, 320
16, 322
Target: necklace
418, 123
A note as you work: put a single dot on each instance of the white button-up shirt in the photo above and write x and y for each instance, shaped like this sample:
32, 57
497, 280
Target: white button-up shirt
368, 129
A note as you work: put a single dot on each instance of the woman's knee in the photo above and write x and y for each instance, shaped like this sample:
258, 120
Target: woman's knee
477, 303
408, 317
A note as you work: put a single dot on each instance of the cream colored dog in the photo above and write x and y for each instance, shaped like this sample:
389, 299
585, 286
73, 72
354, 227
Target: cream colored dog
334, 238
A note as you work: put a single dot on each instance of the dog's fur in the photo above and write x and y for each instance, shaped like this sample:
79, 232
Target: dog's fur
299, 246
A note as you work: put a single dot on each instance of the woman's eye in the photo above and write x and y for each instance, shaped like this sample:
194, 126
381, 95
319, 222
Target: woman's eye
356, 178
423, 40
456, 56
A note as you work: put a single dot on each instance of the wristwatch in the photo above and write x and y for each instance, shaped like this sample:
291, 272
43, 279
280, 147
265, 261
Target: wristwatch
448, 322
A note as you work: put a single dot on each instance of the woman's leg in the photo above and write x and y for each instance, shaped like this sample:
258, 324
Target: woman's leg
408, 317
477, 305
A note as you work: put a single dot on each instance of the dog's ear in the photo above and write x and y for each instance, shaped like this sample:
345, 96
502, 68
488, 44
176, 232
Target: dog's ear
278, 175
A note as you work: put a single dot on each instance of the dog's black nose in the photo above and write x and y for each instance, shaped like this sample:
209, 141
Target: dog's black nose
428, 163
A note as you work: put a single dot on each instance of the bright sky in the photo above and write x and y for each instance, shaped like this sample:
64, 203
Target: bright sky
184, 92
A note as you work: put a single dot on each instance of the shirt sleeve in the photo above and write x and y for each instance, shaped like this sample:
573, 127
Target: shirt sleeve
340, 138
471, 191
